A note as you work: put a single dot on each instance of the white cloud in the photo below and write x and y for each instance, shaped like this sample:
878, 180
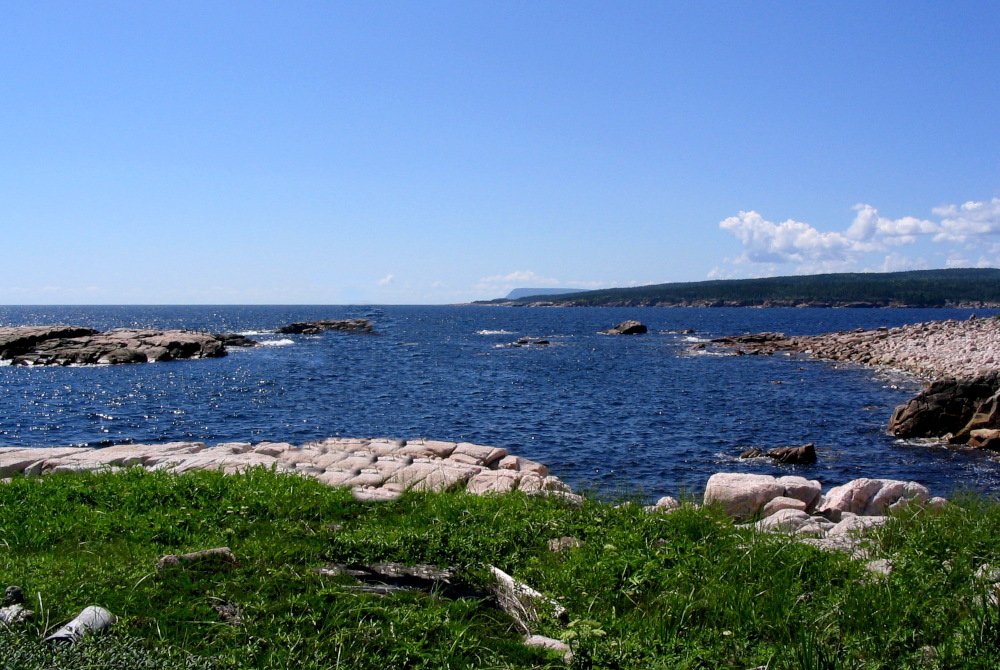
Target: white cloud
386, 280
868, 225
972, 219
767, 246
791, 242
896, 262
990, 259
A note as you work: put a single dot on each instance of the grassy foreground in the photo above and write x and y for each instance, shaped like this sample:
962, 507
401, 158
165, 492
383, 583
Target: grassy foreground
684, 590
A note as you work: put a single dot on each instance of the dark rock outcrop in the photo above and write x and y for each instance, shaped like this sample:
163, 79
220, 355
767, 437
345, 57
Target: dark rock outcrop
627, 328
63, 346
804, 455
234, 340
316, 327
950, 408
18, 340
756, 343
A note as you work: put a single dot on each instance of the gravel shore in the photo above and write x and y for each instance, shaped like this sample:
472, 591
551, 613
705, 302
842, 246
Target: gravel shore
934, 350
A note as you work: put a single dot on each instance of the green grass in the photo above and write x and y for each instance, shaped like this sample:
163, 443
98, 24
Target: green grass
684, 590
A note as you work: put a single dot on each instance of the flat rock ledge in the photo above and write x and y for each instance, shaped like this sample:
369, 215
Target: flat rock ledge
374, 469
934, 349
72, 345
75, 345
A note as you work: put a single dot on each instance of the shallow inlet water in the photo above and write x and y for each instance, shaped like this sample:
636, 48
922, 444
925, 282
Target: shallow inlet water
621, 414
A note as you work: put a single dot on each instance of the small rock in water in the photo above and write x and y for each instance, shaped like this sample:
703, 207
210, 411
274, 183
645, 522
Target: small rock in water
804, 455
630, 327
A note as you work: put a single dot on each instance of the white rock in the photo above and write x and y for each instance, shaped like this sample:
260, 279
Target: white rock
783, 502
522, 602
551, 644
742, 495
667, 504
879, 566
851, 497
872, 497
937, 502
785, 520
988, 573
800, 488
858, 525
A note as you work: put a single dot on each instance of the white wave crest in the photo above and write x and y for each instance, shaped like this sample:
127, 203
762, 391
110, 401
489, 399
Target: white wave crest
276, 343
249, 333
494, 332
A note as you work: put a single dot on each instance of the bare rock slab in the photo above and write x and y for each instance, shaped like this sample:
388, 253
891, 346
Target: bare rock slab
374, 469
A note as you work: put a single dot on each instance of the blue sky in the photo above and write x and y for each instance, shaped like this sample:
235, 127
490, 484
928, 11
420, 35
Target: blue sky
437, 152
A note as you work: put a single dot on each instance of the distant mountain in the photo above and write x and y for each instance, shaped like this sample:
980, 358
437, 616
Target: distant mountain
956, 287
518, 293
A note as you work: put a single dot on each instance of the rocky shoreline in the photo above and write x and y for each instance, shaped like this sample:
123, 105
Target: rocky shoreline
756, 304
933, 350
961, 405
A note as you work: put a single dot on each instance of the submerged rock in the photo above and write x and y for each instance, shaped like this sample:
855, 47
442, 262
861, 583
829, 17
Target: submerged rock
804, 455
528, 341
316, 327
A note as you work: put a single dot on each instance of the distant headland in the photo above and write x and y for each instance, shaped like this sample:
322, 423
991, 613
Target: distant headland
534, 292
955, 287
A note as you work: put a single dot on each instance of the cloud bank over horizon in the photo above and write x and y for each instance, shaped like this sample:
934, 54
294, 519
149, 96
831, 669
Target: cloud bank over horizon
966, 235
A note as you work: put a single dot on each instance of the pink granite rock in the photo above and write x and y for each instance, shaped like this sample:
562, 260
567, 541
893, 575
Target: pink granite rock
741, 495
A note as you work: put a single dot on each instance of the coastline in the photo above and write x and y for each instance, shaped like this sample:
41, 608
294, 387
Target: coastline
930, 350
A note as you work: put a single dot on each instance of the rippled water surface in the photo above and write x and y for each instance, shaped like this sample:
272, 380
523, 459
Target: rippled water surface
618, 413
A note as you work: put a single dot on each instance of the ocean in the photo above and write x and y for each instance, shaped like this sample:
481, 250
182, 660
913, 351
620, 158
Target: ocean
620, 415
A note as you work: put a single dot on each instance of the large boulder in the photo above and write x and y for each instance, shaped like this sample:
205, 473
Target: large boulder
627, 328
742, 495
872, 497
950, 407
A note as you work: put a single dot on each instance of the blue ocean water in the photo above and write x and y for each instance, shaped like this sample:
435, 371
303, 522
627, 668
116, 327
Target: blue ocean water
619, 414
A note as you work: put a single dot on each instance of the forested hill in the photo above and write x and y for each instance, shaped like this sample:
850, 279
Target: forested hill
958, 287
